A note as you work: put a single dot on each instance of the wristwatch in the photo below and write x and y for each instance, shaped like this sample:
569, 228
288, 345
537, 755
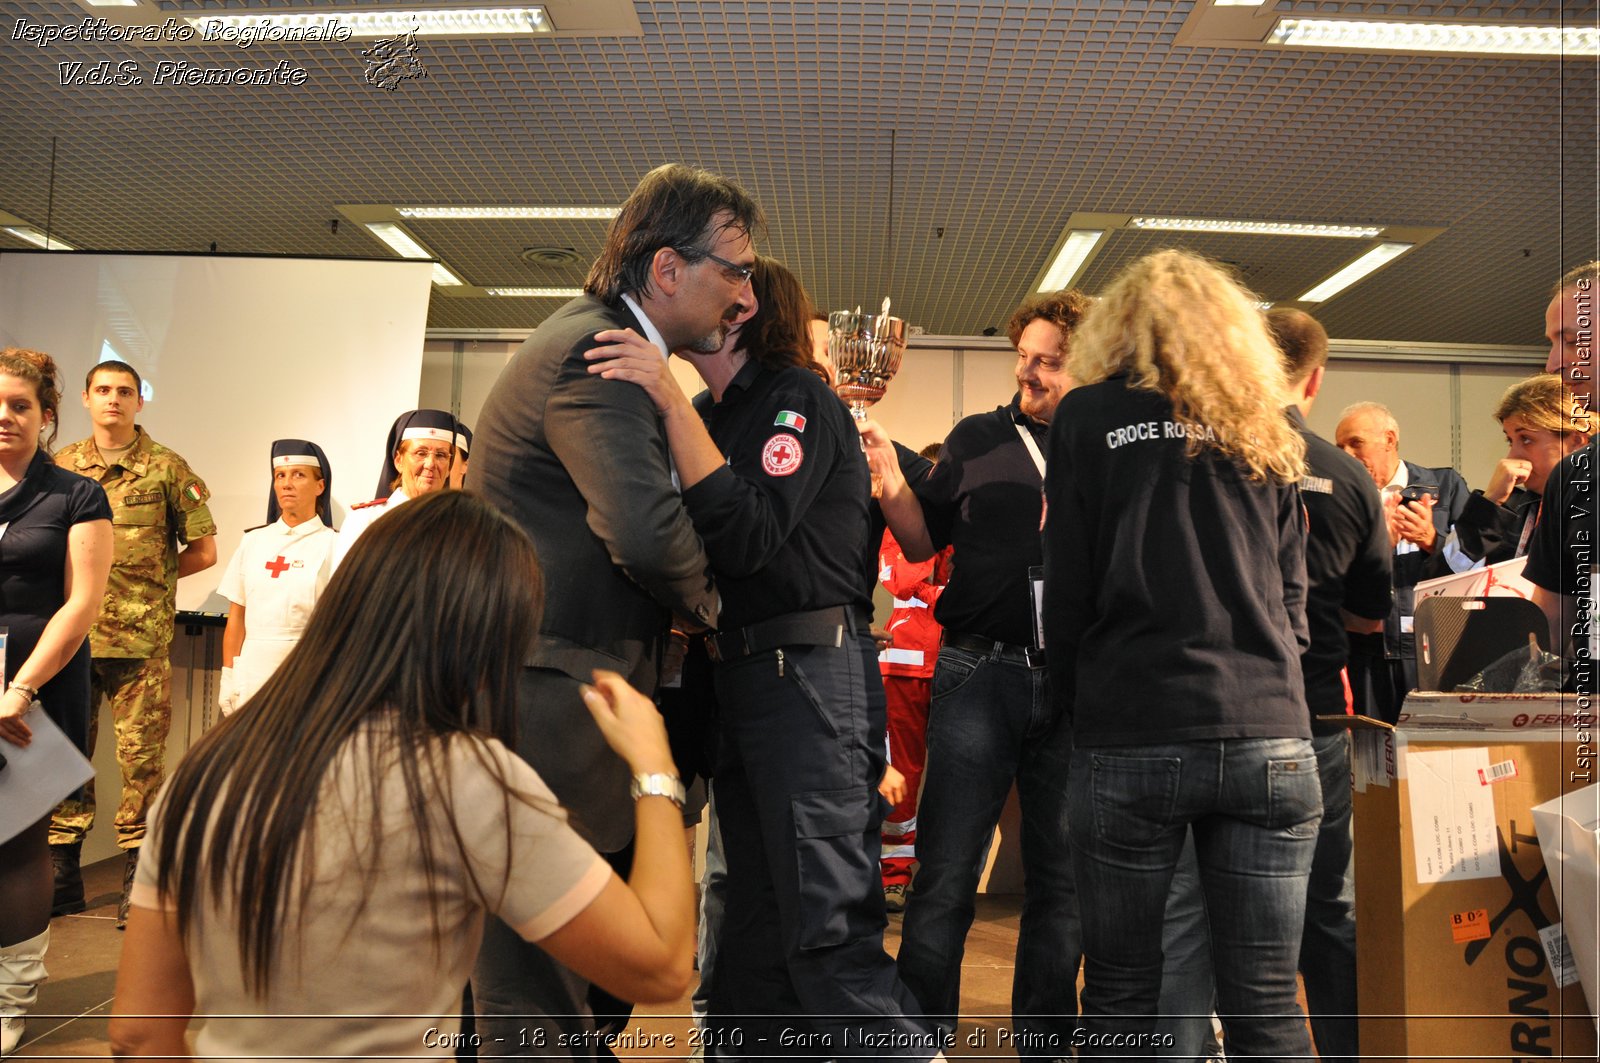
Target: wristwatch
658, 784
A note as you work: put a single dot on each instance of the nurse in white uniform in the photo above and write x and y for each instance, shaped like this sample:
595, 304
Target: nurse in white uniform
418, 460
278, 572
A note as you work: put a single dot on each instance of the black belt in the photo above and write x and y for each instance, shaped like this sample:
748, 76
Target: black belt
818, 627
977, 644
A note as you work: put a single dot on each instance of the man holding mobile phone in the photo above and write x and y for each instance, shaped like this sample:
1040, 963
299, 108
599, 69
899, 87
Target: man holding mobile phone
1420, 505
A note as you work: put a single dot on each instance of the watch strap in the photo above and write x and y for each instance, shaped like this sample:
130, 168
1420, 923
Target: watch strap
658, 784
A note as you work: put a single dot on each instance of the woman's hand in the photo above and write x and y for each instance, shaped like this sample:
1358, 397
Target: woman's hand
623, 354
13, 703
1509, 474
631, 724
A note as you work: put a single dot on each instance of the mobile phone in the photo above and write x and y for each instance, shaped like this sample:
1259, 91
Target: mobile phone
1414, 492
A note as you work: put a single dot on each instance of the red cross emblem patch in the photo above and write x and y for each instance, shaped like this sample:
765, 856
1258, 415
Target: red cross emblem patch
277, 566
782, 455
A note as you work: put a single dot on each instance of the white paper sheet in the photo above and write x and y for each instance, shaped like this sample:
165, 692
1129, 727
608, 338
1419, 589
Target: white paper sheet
35, 779
1452, 815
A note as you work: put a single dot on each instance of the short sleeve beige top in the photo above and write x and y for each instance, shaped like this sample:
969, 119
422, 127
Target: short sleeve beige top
360, 948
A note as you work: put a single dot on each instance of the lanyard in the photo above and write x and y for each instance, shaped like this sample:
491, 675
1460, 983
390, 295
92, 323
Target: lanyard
1033, 446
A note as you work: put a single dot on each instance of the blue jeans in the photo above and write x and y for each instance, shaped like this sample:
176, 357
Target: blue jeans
1188, 991
1254, 806
990, 725
1328, 945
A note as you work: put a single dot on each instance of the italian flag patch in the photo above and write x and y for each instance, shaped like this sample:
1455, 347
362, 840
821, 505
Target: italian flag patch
192, 492
790, 419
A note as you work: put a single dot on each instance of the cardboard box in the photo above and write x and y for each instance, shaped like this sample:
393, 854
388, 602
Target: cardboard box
1569, 834
1459, 948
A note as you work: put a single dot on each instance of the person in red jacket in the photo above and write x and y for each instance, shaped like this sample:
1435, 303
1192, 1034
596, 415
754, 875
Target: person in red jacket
907, 667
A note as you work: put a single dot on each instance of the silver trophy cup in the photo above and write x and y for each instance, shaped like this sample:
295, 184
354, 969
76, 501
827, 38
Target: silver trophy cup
866, 350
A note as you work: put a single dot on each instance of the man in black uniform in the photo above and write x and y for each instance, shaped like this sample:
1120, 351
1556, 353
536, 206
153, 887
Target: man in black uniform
1348, 588
991, 722
1368, 432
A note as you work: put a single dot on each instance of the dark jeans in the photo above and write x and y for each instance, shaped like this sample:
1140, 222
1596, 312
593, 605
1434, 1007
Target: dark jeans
990, 725
1254, 806
800, 965
1328, 944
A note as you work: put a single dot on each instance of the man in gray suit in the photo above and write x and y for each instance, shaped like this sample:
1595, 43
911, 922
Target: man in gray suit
581, 464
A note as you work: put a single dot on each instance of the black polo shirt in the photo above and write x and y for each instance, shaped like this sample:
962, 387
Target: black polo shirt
785, 521
1348, 564
984, 497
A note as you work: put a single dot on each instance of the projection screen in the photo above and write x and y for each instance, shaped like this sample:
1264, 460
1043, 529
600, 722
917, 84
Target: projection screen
236, 351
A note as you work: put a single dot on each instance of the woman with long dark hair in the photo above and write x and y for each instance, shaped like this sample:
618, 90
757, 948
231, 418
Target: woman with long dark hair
335, 844
775, 482
55, 554
1174, 544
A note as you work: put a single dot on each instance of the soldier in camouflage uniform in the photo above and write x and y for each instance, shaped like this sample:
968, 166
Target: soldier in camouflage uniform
157, 502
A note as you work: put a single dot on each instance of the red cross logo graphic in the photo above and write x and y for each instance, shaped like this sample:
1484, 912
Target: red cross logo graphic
277, 566
782, 455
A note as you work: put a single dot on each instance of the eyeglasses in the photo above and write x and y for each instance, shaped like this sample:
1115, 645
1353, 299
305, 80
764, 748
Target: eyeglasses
743, 273
421, 457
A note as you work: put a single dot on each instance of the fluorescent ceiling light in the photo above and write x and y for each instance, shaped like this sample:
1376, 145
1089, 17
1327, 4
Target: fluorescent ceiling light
537, 293
428, 22
1257, 228
1074, 253
406, 247
112, 3
1237, 3
476, 213
39, 238
398, 239
1324, 33
1385, 252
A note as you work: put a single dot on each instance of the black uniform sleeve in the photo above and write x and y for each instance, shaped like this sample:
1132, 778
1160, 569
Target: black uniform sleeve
1484, 532
746, 510
1368, 583
1293, 525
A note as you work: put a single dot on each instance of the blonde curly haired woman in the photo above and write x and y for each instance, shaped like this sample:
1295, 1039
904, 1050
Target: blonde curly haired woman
1174, 620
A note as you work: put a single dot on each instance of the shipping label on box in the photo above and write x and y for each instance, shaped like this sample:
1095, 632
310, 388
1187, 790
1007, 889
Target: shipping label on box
1452, 815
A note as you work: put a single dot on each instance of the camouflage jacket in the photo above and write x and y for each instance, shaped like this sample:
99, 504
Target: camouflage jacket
156, 502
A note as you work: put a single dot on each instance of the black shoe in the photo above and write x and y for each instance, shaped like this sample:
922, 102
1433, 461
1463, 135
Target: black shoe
68, 899
128, 869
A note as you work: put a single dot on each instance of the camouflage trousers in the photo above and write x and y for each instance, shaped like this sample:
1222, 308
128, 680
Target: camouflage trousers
140, 689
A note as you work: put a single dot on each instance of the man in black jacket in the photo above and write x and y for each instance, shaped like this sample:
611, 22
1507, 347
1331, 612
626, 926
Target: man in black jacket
1348, 589
1420, 505
581, 464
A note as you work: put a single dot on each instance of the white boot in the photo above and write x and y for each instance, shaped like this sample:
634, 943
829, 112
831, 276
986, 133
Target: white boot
21, 971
